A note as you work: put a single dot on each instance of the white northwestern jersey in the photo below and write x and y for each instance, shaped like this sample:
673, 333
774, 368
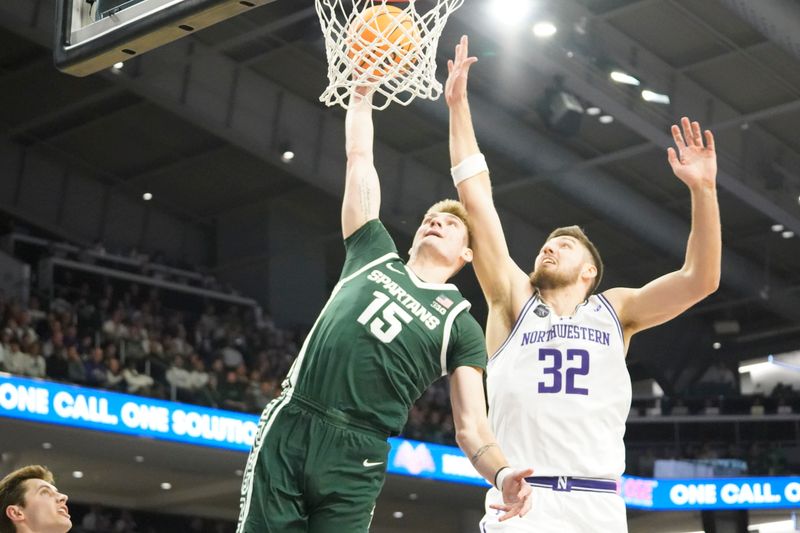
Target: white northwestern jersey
559, 391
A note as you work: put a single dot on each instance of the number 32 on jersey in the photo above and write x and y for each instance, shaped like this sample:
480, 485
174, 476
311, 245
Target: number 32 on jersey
556, 379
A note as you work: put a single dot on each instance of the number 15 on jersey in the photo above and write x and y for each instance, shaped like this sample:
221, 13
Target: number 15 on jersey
390, 323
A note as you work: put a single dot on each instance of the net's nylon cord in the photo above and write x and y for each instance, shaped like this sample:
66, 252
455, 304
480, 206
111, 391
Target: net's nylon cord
413, 76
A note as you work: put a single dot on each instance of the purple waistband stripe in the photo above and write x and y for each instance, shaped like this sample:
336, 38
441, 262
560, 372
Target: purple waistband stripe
569, 484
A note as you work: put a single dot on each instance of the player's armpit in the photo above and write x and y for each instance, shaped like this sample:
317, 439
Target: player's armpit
656, 302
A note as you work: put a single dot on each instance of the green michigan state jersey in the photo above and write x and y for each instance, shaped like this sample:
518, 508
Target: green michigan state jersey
384, 336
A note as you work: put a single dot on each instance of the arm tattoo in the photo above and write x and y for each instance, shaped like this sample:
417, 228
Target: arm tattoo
481, 451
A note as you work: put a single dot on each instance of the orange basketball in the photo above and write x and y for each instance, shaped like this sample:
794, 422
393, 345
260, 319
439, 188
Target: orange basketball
381, 37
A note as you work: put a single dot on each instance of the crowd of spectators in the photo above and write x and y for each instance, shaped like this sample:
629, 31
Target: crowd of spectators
125, 339
760, 457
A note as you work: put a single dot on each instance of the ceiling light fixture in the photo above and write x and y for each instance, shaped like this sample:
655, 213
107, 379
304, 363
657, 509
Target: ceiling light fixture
118, 65
47, 445
593, 110
287, 156
511, 12
623, 77
716, 345
166, 485
654, 97
606, 119
77, 474
138, 458
147, 196
544, 29
777, 228
787, 234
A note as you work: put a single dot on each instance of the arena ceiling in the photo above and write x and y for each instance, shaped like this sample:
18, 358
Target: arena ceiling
201, 123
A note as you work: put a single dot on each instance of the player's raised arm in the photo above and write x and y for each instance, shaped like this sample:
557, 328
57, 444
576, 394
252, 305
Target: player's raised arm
362, 191
477, 442
695, 164
496, 271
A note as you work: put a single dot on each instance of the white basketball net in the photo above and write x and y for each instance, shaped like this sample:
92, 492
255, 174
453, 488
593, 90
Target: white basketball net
398, 63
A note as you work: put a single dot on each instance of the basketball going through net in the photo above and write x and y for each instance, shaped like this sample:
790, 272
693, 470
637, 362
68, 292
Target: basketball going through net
387, 45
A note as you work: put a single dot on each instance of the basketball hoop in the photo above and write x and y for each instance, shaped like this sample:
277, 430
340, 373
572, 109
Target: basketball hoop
386, 45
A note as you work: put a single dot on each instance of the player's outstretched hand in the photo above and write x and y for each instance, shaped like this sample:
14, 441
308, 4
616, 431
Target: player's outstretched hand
455, 90
516, 495
694, 164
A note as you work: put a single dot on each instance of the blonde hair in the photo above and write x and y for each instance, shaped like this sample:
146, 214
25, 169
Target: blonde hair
455, 208
12, 491
577, 233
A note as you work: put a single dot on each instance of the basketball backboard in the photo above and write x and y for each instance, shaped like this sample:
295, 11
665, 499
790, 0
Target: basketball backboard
94, 34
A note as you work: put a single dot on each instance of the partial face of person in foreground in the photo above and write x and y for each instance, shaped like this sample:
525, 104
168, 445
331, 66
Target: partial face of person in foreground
30, 502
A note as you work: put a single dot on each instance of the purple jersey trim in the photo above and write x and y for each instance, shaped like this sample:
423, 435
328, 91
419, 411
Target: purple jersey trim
522, 314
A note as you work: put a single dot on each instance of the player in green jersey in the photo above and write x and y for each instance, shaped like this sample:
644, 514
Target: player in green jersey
388, 330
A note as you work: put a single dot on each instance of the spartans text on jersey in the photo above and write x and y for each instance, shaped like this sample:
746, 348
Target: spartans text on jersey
405, 299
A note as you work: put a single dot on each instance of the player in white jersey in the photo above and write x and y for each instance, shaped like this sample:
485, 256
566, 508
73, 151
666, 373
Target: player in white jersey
559, 390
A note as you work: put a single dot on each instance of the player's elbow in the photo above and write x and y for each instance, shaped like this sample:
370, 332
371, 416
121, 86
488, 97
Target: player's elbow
704, 283
709, 282
713, 284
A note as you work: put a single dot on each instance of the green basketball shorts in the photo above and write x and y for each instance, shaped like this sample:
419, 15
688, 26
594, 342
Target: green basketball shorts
312, 469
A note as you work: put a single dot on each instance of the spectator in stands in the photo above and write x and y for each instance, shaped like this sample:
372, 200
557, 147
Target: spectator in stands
5, 347
96, 368
55, 342
60, 304
70, 337
137, 344
180, 380
198, 377
35, 312
231, 393
232, 357
76, 368
21, 324
114, 378
136, 383
58, 365
29, 502
113, 328
16, 359
266, 392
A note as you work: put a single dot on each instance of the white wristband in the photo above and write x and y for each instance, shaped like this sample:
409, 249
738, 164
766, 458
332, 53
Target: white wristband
501, 476
468, 168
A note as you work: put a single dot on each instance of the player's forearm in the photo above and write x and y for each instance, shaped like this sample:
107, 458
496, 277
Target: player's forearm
463, 142
704, 247
359, 131
483, 452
